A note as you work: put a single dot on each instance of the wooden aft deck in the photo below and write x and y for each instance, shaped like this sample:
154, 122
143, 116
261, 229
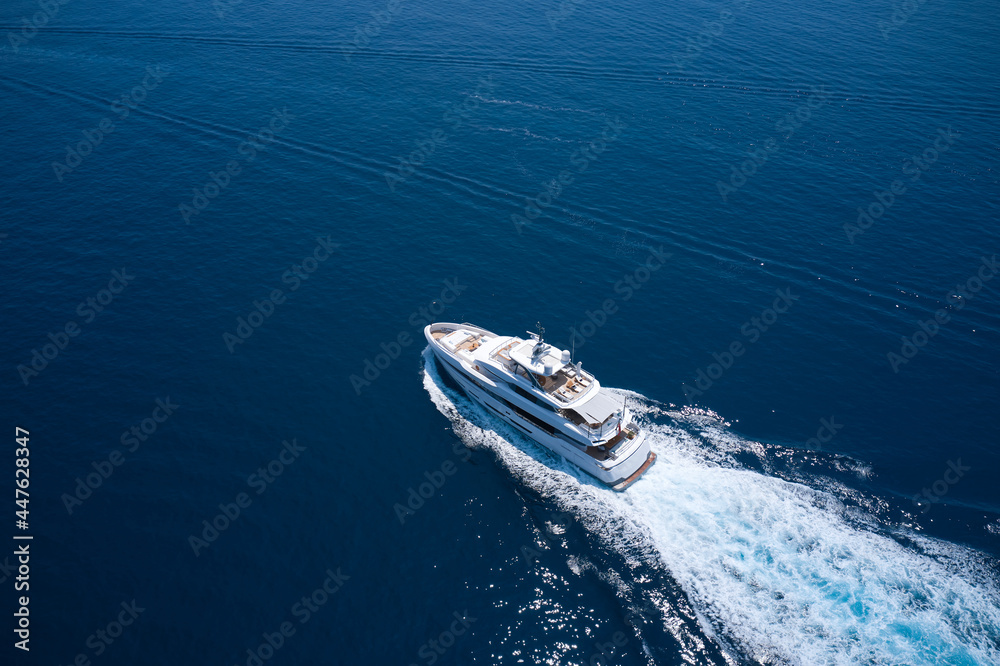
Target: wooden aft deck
622, 485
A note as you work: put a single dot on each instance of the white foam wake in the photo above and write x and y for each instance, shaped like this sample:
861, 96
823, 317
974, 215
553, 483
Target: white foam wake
777, 568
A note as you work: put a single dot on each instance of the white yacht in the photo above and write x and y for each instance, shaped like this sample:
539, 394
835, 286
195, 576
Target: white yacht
537, 389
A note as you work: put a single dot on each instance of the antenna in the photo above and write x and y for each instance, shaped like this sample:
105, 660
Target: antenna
540, 346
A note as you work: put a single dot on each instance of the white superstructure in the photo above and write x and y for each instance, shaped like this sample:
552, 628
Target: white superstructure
538, 390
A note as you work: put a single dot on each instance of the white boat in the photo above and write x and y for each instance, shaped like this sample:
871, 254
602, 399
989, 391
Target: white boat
536, 388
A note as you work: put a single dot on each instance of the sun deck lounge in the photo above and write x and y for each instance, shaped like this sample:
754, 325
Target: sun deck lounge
460, 339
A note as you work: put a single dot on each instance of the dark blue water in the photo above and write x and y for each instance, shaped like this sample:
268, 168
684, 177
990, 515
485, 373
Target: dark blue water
826, 491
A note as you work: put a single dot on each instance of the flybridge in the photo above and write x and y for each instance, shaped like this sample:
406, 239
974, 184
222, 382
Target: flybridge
539, 358
545, 367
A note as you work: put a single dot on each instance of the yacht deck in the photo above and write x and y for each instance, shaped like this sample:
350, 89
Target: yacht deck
565, 384
460, 340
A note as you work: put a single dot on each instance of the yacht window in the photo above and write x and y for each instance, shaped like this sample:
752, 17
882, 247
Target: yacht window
537, 422
533, 398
